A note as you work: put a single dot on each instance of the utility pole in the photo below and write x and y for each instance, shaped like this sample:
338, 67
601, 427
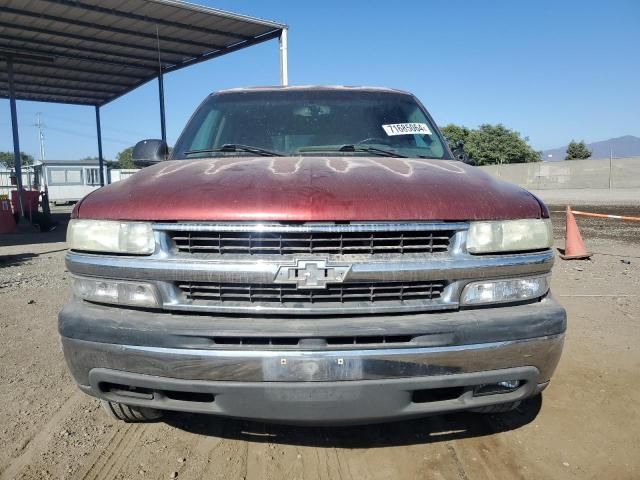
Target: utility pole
42, 180
40, 126
610, 166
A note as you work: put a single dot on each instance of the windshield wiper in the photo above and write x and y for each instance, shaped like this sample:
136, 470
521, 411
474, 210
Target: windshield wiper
236, 147
354, 148
377, 151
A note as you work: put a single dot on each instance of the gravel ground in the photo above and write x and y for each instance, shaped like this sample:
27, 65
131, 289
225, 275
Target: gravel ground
586, 425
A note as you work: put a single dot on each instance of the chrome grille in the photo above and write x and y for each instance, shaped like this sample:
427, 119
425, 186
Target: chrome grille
310, 268
333, 243
345, 293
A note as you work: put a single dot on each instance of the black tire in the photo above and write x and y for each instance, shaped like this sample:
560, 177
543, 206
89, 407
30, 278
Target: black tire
129, 413
500, 408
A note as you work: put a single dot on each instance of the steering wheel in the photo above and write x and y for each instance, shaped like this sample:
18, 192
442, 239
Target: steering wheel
380, 140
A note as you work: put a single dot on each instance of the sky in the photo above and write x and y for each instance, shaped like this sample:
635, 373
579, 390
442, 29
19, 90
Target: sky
552, 70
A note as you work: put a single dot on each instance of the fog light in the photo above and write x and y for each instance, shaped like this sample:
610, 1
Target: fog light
136, 294
501, 291
494, 388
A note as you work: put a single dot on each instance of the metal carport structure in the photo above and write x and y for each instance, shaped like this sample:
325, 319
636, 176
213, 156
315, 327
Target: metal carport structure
90, 52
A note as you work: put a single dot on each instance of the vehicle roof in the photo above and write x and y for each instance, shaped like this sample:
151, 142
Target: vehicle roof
279, 88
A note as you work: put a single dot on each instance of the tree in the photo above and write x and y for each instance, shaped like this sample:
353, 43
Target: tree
496, 144
6, 160
124, 159
577, 151
492, 144
455, 134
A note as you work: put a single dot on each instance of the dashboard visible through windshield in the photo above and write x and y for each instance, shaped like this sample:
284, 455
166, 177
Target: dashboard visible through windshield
308, 122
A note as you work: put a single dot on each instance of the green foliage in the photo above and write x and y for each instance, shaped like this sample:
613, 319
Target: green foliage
124, 159
496, 144
492, 144
6, 159
455, 134
577, 151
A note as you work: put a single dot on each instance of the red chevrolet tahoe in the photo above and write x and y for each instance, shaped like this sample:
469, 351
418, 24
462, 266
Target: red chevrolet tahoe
310, 255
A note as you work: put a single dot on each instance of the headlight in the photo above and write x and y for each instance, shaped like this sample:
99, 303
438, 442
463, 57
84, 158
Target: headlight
137, 294
110, 236
502, 291
509, 236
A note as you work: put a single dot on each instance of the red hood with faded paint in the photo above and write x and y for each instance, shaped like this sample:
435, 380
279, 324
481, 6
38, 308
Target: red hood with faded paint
310, 189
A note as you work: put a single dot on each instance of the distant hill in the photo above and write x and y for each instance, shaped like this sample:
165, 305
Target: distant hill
627, 146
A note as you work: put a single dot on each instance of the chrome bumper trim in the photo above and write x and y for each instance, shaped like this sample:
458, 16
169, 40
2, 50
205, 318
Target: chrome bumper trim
312, 366
172, 269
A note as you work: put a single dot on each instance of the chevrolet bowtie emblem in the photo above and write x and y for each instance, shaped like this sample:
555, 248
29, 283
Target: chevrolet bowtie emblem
311, 273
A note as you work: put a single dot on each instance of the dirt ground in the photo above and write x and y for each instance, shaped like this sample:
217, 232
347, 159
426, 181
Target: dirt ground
587, 424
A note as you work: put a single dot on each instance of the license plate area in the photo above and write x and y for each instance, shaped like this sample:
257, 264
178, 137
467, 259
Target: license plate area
311, 369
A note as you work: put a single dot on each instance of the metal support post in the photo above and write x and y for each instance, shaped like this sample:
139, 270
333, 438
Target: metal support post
100, 157
17, 161
284, 67
163, 126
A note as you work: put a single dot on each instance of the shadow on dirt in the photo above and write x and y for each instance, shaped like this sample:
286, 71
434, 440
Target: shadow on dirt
60, 219
20, 258
426, 430
17, 259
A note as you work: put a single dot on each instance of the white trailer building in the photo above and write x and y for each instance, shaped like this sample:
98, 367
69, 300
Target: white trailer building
66, 180
69, 181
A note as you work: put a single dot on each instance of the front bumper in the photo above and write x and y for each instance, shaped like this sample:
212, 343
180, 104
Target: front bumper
162, 361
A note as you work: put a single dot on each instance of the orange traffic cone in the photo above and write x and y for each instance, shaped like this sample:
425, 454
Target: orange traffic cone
573, 244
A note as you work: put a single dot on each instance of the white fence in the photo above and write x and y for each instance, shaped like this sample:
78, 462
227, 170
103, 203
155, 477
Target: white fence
121, 174
5, 182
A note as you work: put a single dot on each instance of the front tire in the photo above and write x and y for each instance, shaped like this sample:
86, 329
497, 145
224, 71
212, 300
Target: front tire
130, 413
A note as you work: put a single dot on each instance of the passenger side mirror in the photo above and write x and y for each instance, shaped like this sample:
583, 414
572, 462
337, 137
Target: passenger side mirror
149, 152
458, 152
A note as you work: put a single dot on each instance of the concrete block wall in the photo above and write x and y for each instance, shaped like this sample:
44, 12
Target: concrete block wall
571, 174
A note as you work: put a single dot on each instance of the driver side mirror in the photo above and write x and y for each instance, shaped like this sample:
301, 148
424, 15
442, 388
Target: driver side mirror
458, 152
149, 152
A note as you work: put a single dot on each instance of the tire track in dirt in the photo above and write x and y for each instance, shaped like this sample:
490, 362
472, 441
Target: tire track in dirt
109, 461
37, 444
216, 452
315, 463
205, 450
271, 459
462, 473
253, 461
341, 469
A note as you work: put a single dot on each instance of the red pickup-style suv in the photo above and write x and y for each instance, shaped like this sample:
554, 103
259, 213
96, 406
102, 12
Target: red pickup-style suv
310, 255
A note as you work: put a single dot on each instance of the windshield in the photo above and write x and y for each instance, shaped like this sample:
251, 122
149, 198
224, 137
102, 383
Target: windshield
308, 122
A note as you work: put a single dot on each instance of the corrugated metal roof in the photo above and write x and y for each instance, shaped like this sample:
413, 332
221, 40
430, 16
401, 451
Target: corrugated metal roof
90, 52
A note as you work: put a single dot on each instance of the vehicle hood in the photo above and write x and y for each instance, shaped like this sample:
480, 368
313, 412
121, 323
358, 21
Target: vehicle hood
309, 189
